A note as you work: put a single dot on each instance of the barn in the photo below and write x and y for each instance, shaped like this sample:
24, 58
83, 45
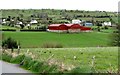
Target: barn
71, 28
57, 28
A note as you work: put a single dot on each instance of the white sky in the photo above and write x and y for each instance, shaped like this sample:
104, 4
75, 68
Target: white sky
102, 5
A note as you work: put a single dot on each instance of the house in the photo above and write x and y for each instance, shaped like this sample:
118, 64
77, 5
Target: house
19, 23
107, 24
88, 24
71, 28
76, 21
3, 21
33, 22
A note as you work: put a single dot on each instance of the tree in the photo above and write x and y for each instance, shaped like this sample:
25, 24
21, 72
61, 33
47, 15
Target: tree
22, 26
10, 44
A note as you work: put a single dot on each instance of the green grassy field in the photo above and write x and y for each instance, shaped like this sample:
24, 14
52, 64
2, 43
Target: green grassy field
37, 39
99, 59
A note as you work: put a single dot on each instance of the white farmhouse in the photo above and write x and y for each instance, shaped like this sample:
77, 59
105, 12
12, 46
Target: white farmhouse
33, 22
4, 21
76, 21
107, 24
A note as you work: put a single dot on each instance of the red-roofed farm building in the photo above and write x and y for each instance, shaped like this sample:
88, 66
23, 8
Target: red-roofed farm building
67, 28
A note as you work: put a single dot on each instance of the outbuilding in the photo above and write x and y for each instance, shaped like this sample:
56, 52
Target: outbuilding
71, 28
57, 28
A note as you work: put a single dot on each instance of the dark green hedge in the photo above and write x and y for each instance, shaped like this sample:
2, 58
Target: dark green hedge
7, 29
32, 30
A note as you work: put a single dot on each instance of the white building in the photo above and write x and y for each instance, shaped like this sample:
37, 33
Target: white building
33, 22
4, 21
107, 24
76, 21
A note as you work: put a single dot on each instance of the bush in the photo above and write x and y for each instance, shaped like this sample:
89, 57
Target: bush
9, 43
8, 29
106, 27
33, 30
52, 45
18, 59
6, 57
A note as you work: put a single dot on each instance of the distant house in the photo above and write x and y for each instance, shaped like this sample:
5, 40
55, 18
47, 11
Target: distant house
71, 28
19, 23
76, 21
107, 24
88, 24
3, 21
33, 22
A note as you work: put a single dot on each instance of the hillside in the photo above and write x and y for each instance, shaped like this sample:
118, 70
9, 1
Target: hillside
46, 16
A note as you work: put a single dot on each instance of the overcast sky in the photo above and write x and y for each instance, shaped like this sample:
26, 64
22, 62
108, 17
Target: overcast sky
102, 5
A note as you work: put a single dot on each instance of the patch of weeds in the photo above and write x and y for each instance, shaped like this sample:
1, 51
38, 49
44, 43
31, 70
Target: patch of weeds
6, 57
18, 59
26, 61
52, 45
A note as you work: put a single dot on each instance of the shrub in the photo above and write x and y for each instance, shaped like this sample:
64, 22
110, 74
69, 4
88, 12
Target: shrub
18, 59
11, 43
33, 30
106, 27
8, 29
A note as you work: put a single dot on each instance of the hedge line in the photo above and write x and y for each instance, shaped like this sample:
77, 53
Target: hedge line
32, 30
22, 30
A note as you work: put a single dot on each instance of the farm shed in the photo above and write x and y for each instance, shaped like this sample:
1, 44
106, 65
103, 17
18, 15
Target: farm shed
73, 27
107, 24
67, 28
33, 22
57, 28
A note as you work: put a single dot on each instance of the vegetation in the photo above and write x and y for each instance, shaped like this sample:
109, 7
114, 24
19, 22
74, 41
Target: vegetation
40, 39
51, 16
9, 43
58, 60
44, 52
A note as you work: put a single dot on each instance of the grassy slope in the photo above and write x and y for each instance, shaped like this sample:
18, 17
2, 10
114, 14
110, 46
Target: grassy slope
36, 39
55, 14
106, 58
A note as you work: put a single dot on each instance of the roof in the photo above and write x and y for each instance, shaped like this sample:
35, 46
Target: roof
33, 21
63, 24
55, 24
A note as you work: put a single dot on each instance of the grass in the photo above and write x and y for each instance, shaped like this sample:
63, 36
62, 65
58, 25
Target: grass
37, 39
89, 59
106, 58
